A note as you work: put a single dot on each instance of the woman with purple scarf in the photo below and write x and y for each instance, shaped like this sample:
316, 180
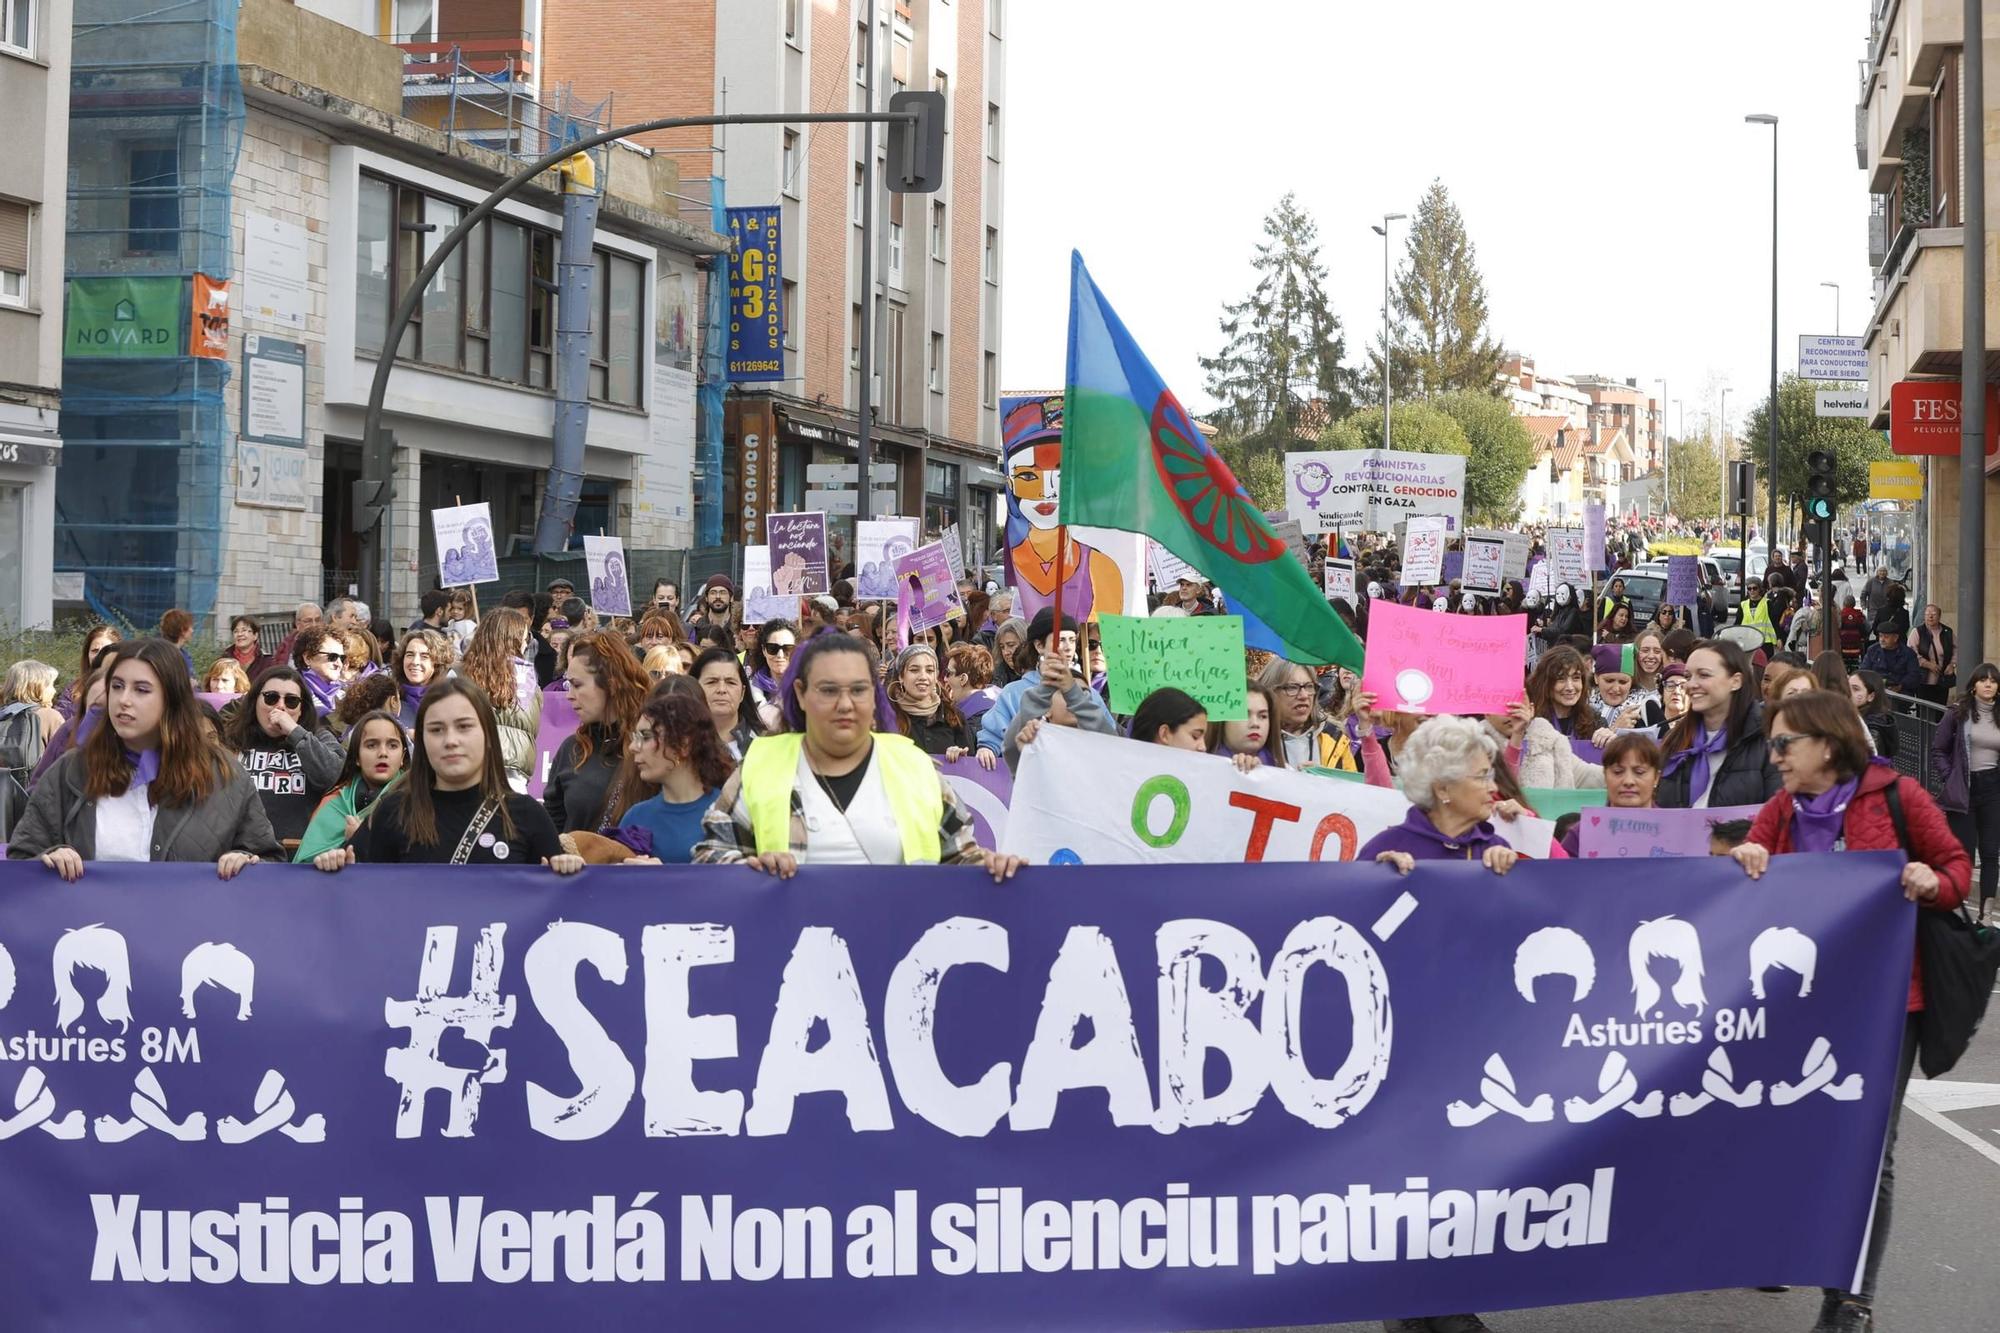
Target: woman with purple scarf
1836, 798
1715, 753
425, 656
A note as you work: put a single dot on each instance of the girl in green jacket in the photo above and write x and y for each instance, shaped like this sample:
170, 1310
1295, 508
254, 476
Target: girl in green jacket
376, 754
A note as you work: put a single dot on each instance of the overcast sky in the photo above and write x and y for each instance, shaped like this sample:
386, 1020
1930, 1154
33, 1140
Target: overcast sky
1596, 148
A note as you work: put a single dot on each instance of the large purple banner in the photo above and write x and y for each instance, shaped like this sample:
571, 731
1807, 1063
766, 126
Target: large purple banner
912, 1099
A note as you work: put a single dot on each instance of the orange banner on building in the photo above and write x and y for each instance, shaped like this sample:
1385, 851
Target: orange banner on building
209, 333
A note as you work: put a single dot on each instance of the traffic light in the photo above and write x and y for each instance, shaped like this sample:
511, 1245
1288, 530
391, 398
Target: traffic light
1819, 484
916, 149
1742, 486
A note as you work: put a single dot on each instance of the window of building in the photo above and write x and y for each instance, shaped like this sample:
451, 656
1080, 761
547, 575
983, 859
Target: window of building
993, 130
993, 17
792, 20
14, 220
899, 65
791, 163
1947, 153
17, 26
991, 259
896, 239
625, 319
941, 82
861, 52
940, 495
444, 300
937, 363
989, 381
374, 230
477, 277
892, 364
854, 338
788, 294
541, 307
860, 193
153, 209
508, 358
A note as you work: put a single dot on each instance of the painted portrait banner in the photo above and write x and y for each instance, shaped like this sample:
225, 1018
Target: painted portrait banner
1354, 489
1101, 570
910, 1099
610, 593
465, 547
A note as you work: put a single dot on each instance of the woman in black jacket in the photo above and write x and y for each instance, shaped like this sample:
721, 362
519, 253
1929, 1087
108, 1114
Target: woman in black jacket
1567, 617
280, 739
923, 712
607, 687
1715, 753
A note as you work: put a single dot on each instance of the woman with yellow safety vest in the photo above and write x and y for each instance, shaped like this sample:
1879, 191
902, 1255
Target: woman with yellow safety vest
831, 789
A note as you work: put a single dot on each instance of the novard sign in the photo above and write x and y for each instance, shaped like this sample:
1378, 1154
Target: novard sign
124, 317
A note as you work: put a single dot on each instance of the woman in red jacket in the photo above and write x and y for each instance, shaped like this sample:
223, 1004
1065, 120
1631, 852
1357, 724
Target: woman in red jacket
1834, 799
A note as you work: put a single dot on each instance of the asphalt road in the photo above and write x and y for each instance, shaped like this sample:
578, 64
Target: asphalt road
1942, 1273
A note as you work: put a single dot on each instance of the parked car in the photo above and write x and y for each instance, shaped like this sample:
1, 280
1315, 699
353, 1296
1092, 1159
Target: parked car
1645, 587
1714, 582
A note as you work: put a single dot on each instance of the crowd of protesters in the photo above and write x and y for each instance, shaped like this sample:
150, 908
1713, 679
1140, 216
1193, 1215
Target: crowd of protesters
701, 738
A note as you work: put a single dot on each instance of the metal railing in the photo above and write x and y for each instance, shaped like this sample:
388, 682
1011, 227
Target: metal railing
1916, 722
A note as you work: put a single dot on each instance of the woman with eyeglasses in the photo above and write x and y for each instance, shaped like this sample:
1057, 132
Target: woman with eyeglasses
675, 750
1303, 735
281, 743
726, 686
832, 790
425, 656
1836, 797
770, 654
377, 749
243, 649
320, 656
456, 806
149, 784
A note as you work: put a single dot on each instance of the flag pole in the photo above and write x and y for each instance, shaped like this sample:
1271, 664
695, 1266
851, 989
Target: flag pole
1062, 546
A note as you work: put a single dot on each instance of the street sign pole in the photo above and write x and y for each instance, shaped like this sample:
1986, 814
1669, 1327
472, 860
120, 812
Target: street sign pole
1972, 362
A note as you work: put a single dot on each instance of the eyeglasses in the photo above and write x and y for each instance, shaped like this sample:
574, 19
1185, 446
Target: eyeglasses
1784, 741
778, 649
1302, 687
273, 699
644, 735
832, 694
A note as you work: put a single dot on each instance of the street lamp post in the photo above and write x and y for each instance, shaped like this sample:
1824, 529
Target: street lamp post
1664, 493
1836, 304
1383, 232
1771, 477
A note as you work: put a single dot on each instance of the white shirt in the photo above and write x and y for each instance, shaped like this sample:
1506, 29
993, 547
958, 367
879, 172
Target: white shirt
866, 834
125, 826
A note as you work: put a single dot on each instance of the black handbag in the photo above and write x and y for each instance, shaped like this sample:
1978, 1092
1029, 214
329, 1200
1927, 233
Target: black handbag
1960, 959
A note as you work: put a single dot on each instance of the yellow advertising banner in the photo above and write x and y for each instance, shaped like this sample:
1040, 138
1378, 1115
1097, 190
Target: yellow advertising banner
1896, 479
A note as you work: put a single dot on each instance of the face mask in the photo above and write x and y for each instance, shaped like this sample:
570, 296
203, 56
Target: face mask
1562, 596
1440, 604
1468, 603
1532, 602
1374, 590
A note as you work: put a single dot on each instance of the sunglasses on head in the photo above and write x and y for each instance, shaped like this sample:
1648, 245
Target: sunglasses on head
273, 699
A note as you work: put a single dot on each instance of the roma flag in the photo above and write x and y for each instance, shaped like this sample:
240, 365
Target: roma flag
1132, 459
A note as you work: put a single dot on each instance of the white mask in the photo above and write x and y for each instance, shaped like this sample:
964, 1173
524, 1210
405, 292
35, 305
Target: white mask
1562, 595
1374, 590
1468, 603
1440, 604
1532, 602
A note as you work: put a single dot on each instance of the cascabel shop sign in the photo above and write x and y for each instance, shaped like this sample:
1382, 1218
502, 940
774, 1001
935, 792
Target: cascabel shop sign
756, 314
1924, 417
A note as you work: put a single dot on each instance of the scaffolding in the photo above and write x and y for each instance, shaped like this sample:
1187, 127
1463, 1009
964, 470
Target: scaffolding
156, 123
481, 87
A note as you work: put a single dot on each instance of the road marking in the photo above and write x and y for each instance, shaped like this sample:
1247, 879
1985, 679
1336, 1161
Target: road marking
1952, 1095
1957, 1131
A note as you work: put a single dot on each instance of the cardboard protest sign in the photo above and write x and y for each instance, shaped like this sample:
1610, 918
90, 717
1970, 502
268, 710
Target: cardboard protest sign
1517, 546
1430, 662
1423, 551
1567, 560
610, 593
985, 793
465, 545
1485, 565
1168, 569
1612, 833
798, 553
878, 544
1202, 655
925, 587
1593, 535
1340, 582
1683, 579
954, 551
761, 603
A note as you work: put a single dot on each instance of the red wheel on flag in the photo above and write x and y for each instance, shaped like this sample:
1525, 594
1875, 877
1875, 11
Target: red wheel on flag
1205, 491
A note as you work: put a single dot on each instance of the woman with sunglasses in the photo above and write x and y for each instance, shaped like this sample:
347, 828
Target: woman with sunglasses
320, 656
376, 752
456, 806
770, 655
149, 784
279, 739
1836, 797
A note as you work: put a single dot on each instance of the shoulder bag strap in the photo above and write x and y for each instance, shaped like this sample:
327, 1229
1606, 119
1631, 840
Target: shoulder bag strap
480, 820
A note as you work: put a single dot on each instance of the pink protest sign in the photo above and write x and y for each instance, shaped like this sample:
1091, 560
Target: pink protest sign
1606, 833
558, 721
1432, 662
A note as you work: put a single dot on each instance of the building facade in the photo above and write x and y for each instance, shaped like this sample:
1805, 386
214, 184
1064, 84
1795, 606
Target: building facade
939, 258
223, 482
1910, 122
34, 156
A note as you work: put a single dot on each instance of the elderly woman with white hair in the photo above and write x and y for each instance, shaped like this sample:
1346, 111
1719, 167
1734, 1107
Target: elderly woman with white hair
1446, 771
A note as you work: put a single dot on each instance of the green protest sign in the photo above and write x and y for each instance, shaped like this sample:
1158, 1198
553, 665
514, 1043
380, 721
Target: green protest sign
1202, 655
1548, 802
124, 317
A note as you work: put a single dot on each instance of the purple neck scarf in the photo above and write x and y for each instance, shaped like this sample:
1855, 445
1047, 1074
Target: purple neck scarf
412, 696
1705, 746
145, 765
1817, 820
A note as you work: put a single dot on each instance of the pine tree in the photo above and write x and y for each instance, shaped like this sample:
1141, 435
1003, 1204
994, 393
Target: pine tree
1441, 337
1282, 343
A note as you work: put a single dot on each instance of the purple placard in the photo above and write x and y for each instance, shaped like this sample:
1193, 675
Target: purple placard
1683, 579
1593, 536
1608, 833
1454, 565
1585, 751
925, 586
989, 793
558, 721
798, 553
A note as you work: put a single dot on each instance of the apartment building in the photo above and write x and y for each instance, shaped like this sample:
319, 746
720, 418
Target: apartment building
939, 261
34, 154
1909, 124
1621, 405
313, 168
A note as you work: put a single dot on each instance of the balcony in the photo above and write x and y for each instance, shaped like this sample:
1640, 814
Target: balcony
437, 59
